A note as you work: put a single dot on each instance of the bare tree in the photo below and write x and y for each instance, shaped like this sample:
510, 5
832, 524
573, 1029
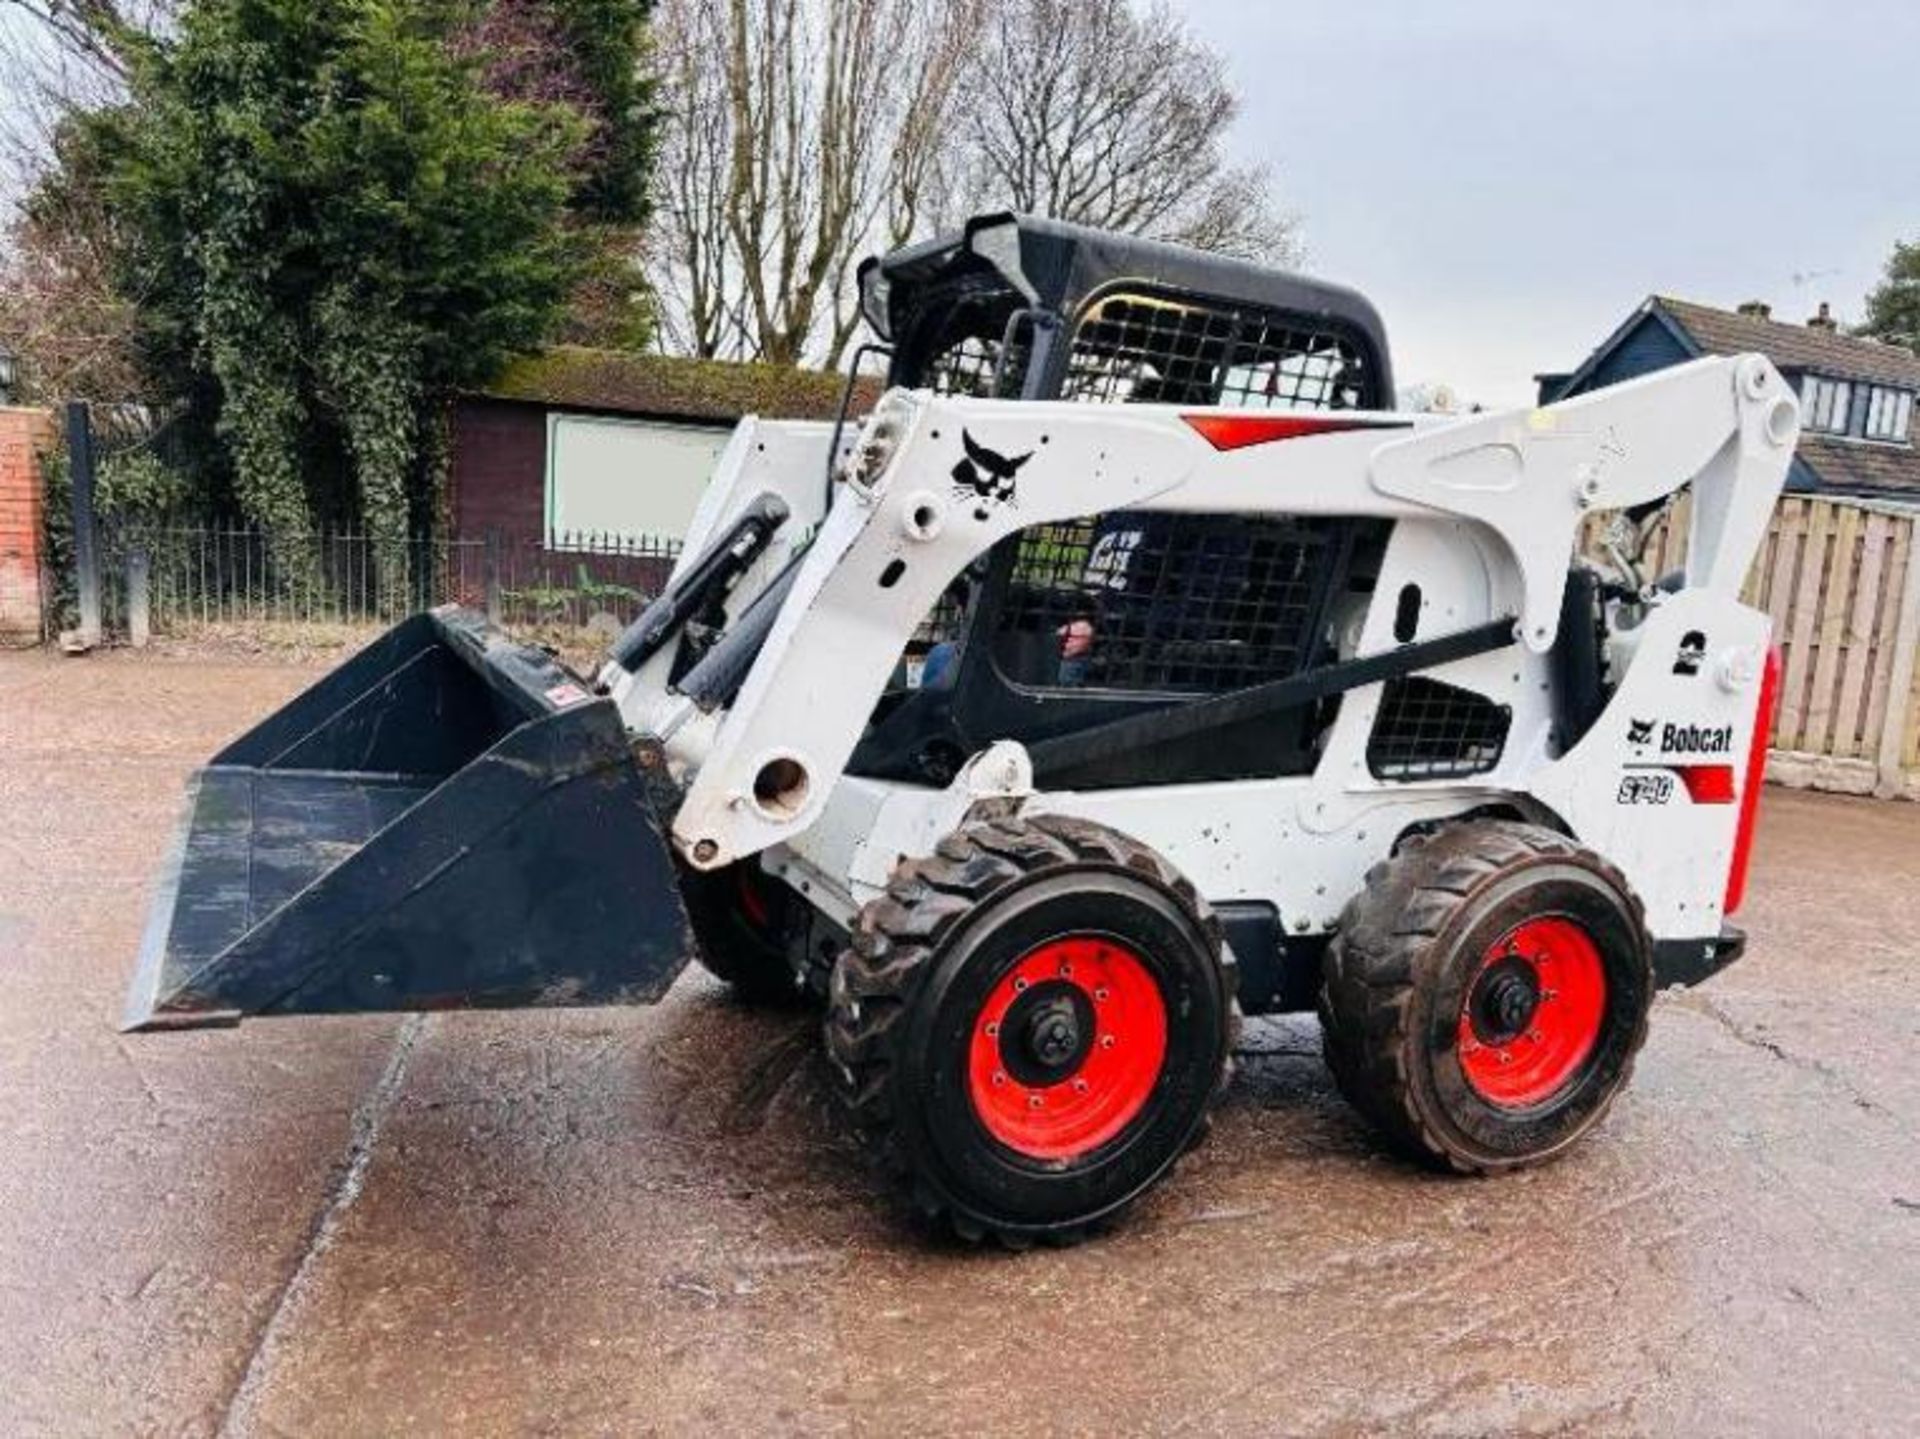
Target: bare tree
1099, 112
63, 308
57, 56
802, 132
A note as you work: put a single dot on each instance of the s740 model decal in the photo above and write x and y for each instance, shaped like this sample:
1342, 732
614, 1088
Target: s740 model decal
1646, 787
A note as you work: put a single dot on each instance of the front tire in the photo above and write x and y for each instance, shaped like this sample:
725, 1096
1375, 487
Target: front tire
1485, 996
1030, 1026
743, 920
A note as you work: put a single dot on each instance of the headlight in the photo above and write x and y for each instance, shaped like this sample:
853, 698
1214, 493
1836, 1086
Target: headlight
886, 427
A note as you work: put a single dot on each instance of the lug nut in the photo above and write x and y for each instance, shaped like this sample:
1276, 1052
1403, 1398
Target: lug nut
1080, 1086
1100, 994
1019, 984
1106, 1041
999, 1076
1034, 1102
992, 1029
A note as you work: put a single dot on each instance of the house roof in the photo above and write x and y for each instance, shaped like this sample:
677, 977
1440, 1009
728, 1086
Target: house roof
1793, 347
1862, 465
1849, 464
573, 377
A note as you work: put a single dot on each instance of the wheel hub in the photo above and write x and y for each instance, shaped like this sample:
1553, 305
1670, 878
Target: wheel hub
1533, 1014
1504, 999
1047, 1031
1067, 1049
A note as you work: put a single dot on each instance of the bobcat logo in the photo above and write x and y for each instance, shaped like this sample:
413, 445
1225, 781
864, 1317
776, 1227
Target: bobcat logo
1639, 731
986, 477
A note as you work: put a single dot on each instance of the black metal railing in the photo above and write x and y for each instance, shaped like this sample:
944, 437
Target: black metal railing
169, 578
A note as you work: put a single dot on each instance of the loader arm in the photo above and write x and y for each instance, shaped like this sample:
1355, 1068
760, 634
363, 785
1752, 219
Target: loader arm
957, 476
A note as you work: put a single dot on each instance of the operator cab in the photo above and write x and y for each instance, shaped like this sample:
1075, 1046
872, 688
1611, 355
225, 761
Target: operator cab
1015, 307
1065, 626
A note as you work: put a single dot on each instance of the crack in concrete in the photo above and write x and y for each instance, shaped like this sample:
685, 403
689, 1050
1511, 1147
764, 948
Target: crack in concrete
1700, 1004
238, 1416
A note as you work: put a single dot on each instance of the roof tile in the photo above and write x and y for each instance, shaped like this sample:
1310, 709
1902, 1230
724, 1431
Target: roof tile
1794, 347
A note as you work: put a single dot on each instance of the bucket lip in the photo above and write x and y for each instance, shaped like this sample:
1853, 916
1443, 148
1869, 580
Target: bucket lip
143, 996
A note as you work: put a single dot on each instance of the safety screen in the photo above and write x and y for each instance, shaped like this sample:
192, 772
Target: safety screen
1143, 349
1429, 730
979, 356
1142, 601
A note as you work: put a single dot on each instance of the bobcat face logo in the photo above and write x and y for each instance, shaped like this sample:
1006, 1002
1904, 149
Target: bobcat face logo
1639, 731
986, 477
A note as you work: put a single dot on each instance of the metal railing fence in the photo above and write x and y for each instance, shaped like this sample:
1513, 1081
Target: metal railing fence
166, 578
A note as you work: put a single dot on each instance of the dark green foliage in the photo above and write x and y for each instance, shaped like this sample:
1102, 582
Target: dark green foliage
1893, 309
605, 38
328, 221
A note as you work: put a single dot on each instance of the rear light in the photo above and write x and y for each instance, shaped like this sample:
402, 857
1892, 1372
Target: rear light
1754, 778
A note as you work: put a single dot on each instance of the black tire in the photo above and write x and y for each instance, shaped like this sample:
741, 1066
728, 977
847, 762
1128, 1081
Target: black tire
911, 999
742, 919
1412, 987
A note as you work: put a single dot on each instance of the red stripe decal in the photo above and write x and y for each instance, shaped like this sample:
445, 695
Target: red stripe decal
1236, 432
1707, 783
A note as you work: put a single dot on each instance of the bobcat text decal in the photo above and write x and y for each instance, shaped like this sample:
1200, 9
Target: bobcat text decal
1681, 738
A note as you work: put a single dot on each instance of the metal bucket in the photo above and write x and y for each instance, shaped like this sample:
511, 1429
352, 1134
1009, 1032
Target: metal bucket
449, 820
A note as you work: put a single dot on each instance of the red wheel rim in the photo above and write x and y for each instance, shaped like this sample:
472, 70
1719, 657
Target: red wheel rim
1067, 1049
1532, 1014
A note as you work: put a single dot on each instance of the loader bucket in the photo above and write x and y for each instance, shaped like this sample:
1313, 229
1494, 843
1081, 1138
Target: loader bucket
448, 820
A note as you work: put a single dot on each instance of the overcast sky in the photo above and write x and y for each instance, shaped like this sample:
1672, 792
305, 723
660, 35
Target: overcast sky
1508, 178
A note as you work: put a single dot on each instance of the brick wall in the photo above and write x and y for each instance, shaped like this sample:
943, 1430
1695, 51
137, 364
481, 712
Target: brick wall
23, 435
498, 476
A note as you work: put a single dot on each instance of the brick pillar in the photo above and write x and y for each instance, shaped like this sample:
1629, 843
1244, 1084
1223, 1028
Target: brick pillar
24, 434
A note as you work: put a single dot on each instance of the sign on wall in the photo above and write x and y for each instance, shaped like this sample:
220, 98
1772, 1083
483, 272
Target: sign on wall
626, 478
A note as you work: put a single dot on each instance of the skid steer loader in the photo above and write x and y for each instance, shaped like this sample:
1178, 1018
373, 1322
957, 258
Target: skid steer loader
1133, 666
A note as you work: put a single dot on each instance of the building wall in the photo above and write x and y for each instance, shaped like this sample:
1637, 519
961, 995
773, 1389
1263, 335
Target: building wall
24, 434
497, 476
1649, 346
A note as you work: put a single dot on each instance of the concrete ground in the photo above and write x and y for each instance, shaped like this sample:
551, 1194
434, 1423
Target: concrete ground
619, 1222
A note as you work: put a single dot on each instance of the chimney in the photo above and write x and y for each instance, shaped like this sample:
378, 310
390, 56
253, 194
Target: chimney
1824, 320
1757, 310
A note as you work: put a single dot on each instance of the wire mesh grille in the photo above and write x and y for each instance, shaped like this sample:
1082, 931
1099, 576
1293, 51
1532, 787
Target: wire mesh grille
979, 359
1429, 730
1167, 603
1144, 349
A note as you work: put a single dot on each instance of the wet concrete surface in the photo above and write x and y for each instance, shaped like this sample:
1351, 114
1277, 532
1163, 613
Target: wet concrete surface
640, 1221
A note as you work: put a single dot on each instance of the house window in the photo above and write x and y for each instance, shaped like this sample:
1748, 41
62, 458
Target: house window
1825, 404
1889, 414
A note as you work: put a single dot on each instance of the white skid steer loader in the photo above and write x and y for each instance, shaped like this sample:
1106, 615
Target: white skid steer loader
1132, 667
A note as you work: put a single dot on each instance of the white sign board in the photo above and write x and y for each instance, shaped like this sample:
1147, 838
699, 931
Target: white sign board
626, 478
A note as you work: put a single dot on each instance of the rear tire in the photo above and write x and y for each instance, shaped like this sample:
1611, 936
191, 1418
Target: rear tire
1030, 1026
1485, 996
742, 918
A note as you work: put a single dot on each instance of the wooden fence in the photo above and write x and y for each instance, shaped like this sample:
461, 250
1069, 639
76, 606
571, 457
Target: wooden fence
1842, 582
